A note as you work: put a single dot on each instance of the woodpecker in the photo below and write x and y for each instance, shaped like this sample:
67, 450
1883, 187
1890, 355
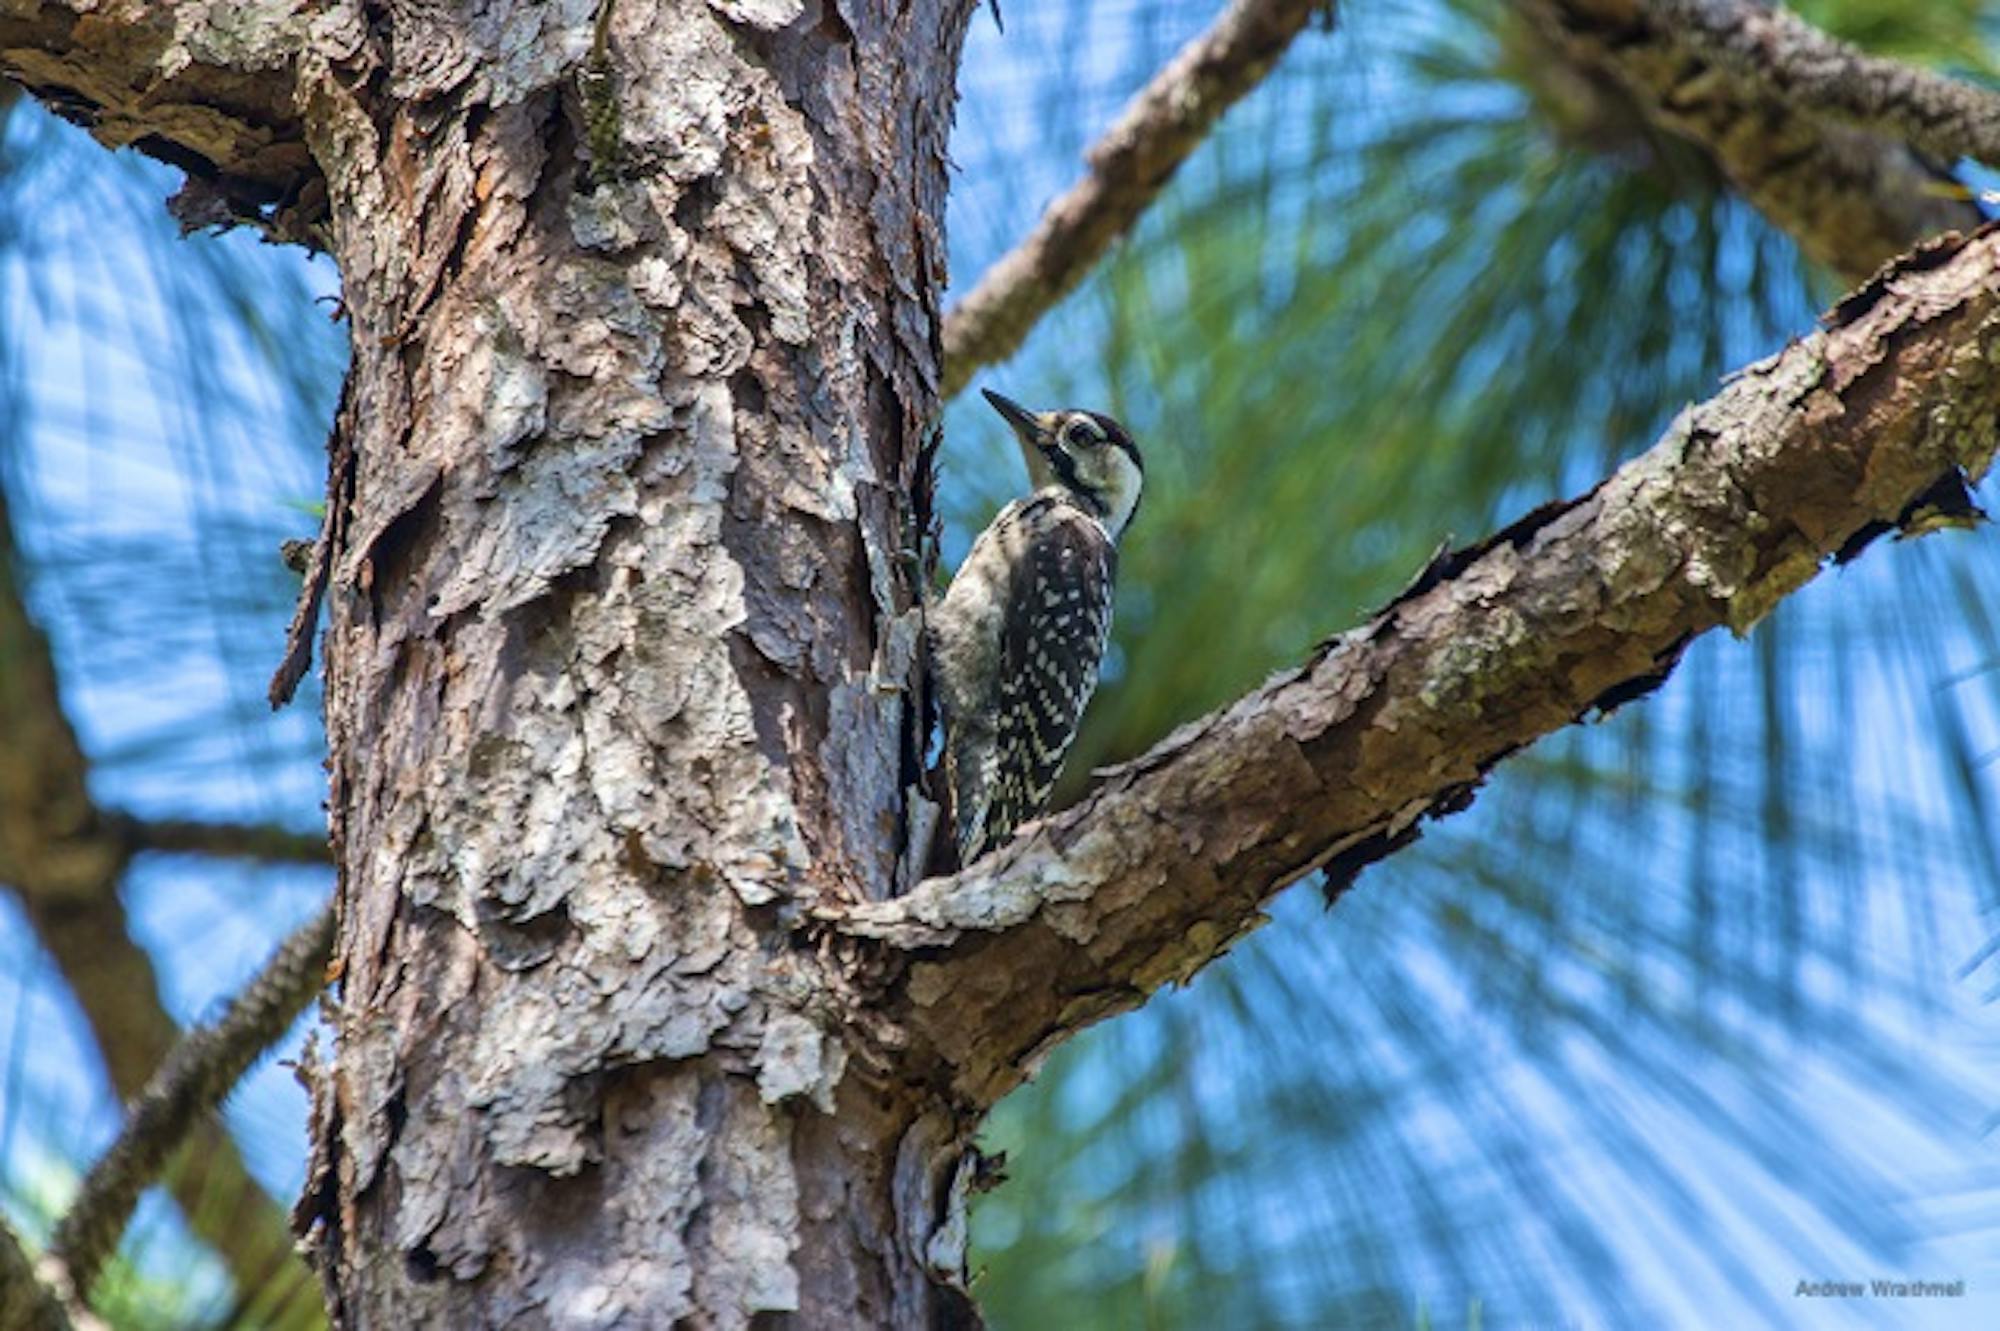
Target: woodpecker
1019, 634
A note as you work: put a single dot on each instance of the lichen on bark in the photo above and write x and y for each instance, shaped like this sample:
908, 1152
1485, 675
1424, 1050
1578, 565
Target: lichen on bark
622, 650
1853, 197
618, 651
1874, 422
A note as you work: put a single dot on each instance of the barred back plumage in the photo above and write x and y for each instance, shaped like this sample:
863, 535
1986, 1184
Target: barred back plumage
1034, 600
1018, 638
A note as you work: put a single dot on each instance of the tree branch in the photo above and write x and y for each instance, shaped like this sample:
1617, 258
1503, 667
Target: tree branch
204, 85
1127, 168
1854, 195
1822, 74
1853, 198
239, 841
1870, 423
66, 857
202, 1069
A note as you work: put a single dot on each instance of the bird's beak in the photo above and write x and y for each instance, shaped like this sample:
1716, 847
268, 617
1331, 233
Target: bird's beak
1027, 424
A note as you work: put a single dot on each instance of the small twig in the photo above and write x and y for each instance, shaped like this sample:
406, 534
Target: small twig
1943, 117
305, 615
1128, 167
199, 1072
265, 842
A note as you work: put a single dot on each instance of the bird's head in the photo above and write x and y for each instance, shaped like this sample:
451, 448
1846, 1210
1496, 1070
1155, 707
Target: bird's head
1085, 452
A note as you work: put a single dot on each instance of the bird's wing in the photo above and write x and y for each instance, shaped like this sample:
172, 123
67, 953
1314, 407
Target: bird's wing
1051, 642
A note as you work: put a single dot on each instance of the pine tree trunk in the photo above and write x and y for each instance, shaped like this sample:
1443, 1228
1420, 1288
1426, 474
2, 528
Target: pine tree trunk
619, 659
622, 639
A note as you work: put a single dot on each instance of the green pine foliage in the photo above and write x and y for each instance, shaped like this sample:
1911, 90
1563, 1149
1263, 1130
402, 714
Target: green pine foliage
1683, 1009
1398, 300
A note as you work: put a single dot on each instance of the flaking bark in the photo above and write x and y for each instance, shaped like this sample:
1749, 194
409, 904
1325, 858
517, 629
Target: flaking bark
1852, 197
621, 649
206, 85
1818, 73
620, 657
1876, 420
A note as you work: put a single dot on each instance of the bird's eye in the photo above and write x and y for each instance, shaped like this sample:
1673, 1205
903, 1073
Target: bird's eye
1078, 435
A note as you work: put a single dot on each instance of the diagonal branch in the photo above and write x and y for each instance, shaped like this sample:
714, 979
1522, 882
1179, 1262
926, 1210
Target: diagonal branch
1128, 167
1874, 421
1852, 197
1815, 72
200, 1072
1749, 85
65, 858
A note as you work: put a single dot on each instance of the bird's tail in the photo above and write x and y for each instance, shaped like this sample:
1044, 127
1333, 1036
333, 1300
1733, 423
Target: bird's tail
968, 776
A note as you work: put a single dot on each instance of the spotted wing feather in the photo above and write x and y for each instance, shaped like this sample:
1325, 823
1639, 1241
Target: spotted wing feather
1051, 644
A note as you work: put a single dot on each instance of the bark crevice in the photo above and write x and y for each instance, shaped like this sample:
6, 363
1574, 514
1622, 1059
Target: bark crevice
623, 647
1852, 196
618, 658
1873, 422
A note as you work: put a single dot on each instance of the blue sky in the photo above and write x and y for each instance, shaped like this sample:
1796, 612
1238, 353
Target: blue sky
178, 724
